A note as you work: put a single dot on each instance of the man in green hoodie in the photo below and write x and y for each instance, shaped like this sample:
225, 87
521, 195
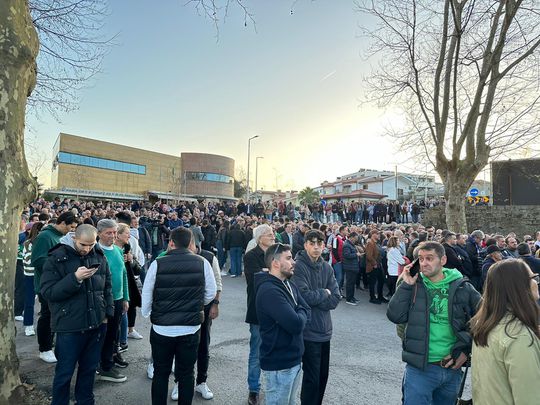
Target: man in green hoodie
48, 238
436, 305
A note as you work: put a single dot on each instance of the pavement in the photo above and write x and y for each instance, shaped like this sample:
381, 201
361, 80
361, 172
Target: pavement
365, 357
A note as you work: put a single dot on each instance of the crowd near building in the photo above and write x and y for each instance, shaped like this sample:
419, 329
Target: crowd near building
457, 298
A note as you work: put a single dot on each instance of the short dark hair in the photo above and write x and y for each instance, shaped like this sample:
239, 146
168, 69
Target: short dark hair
342, 227
67, 218
491, 241
273, 252
352, 235
523, 249
181, 237
123, 218
43, 217
433, 246
314, 234
192, 221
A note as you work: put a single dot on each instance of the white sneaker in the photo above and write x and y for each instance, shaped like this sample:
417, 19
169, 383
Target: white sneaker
150, 370
19, 318
174, 393
224, 273
48, 357
134, 335
29, 330
205, 392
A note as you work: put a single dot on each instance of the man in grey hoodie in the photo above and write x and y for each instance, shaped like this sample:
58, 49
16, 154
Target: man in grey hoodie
315, 279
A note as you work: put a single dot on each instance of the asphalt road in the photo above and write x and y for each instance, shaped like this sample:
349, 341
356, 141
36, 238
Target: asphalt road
365, 360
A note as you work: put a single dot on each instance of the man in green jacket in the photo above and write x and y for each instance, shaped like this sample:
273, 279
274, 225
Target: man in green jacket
48, 238
436, 305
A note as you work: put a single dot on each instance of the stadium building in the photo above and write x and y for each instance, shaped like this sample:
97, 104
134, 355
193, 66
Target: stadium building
92, 169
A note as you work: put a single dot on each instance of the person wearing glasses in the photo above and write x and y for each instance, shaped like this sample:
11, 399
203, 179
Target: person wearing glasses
282, 314
506, 347
318, 287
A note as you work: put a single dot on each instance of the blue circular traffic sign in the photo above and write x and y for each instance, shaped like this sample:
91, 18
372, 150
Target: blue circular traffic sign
473, 192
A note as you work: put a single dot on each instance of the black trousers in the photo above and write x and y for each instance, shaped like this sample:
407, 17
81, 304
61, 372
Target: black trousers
184, 350
19, 289
350, 284
376, 277
392, 280
315, 364
44, 333
110, 344
203, 354
132, 315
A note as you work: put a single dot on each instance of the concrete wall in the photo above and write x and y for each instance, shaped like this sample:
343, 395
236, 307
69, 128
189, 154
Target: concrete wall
521, 219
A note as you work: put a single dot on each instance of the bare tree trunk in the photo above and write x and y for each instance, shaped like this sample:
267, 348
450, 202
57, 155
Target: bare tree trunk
455, 205
18, 52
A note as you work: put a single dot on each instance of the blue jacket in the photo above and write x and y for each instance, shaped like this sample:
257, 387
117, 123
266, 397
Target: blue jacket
312, 279
282, 318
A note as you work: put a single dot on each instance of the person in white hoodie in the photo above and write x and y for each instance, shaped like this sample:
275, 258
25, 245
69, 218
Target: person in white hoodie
394, 257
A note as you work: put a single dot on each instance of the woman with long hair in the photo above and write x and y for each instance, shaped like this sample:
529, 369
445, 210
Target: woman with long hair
506, 347
29, 293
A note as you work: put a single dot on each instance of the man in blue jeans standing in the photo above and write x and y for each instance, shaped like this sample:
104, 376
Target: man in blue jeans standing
282, 314
436, 305
253, 264
76, 282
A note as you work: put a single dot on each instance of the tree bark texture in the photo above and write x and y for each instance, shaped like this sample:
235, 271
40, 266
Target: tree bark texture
18, 51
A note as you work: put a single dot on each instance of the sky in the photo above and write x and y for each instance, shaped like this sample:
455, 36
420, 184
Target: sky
296, 81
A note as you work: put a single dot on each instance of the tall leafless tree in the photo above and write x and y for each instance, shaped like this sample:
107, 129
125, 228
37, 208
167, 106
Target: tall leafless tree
465, 74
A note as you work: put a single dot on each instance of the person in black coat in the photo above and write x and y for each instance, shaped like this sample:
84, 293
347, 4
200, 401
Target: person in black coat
236, 242
525, 254
210, 236
453, 258
76, 282
351, 267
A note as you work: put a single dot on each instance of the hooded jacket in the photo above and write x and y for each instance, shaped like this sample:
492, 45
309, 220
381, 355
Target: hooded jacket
76, 306
282, 318
312, 279
47, 239
411, 305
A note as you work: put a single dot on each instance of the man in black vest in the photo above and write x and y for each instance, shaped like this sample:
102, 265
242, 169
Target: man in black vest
176, 289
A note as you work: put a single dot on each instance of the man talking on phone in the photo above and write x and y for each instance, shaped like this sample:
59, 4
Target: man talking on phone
76, 282
435, 305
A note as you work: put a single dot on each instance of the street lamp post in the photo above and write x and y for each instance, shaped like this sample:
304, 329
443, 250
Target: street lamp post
249, 153
257, 171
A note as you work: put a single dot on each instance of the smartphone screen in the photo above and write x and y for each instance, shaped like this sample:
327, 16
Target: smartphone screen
94, 266
415, 268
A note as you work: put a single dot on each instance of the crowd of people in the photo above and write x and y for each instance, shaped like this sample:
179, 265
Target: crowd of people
91, 264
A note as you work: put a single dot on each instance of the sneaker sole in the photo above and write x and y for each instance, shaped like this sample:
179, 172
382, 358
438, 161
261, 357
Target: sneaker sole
111, 379
121, 365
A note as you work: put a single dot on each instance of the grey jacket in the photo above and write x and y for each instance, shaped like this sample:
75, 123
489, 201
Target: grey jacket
312, 279
410, 305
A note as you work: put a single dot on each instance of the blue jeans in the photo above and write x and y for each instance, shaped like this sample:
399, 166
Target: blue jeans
254, 367
281, 386
338, 270
435, 385
236, 261
83, 348
221, 254
123, 329
29, 300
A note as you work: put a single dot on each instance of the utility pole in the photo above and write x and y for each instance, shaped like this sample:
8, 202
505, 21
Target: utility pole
257, 172
249, 154
397, 196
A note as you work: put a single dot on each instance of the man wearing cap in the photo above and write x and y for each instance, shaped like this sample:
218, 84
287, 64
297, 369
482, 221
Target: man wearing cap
494, 255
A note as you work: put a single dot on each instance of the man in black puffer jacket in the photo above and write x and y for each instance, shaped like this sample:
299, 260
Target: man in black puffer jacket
76, 282
436, 307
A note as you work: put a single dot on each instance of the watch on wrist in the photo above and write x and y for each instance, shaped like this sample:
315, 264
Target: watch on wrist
215, 302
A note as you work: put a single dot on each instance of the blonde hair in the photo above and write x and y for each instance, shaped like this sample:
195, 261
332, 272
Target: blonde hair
122, 228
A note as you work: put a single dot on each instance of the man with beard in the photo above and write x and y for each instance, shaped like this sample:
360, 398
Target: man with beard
318, 287
282, 314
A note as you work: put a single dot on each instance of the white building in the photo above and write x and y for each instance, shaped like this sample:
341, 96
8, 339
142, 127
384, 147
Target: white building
369, 184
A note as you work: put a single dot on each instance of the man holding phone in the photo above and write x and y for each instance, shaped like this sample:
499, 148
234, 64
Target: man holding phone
435, 304
76, 282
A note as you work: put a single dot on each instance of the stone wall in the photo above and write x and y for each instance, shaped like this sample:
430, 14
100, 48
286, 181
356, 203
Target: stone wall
521, 219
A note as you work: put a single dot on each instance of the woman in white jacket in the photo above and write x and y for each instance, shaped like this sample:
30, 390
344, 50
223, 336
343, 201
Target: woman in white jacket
394, 258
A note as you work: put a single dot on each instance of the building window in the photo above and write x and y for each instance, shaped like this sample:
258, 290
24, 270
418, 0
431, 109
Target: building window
364, 186
214, 177
91, 161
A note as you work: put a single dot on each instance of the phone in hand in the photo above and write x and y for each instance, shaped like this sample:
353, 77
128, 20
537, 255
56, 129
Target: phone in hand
415, 268
94, 266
